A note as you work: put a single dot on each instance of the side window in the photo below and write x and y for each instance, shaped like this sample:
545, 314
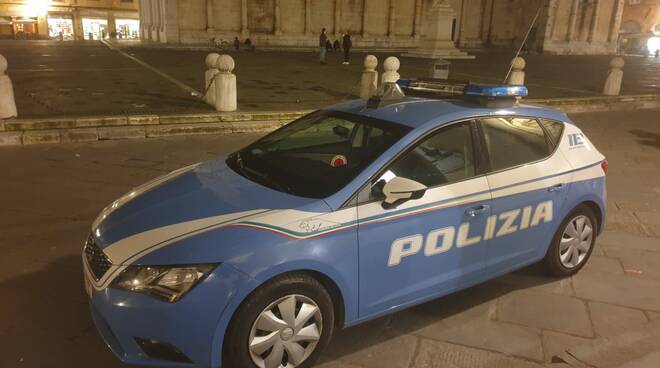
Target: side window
554, 130
513, 141
442, 158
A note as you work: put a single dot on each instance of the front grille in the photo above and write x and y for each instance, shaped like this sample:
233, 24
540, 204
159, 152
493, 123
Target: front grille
97, 261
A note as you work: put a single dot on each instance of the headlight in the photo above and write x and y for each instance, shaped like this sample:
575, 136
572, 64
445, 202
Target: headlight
169, 283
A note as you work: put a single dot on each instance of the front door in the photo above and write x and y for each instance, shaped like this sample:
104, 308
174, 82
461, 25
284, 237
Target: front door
429, 246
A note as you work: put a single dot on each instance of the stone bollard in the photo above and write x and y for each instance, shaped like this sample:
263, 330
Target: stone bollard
517, 75
614, 77
369, 82
391, 67
225, 84
211, 70
7, 101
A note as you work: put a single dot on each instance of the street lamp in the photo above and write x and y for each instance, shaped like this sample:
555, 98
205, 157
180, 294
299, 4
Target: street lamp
35, 8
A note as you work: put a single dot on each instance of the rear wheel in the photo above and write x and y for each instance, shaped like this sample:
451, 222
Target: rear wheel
573, 243
286, 323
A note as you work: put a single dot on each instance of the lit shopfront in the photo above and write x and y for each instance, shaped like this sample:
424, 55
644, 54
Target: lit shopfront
60, 27
127, 28
95, 28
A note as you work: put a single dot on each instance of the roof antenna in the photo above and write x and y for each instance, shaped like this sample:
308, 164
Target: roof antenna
529, 30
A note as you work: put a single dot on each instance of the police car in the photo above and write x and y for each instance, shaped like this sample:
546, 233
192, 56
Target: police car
346, 214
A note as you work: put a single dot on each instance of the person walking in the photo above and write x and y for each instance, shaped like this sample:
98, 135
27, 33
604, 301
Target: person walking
237, 43
322, 40
346, 45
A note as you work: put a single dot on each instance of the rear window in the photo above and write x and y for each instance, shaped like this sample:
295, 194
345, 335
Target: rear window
554, 130
513, 141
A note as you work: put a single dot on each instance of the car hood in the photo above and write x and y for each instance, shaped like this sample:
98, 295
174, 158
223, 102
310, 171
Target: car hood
187, 200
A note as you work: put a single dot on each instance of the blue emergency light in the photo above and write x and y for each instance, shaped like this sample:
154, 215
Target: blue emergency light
484, 90
484, 94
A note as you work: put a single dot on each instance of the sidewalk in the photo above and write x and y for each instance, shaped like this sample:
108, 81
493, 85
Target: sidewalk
87, 78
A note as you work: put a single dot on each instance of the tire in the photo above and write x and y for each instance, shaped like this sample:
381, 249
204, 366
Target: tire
566, 255
249, 341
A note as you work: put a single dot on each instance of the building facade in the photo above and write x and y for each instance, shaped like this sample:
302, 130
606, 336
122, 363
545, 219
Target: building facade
68, 19
562, 26
640, 26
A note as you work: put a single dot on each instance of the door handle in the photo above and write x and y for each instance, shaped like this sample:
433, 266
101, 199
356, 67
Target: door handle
556, 188
477, 210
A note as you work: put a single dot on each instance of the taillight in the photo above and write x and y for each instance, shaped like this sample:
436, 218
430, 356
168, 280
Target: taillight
605, 165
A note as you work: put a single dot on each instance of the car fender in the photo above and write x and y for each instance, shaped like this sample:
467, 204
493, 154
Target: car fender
245, 289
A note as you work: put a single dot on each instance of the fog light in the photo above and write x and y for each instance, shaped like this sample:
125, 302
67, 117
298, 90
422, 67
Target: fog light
162, 351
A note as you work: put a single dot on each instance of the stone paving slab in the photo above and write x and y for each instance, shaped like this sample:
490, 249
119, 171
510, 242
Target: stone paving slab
555, 343
546, 311
436, 354
612, 320
630, 291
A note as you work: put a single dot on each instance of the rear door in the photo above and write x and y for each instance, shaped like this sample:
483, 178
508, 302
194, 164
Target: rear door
528, 184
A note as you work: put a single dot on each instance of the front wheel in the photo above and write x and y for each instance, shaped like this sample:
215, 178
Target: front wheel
573, 243
287, 323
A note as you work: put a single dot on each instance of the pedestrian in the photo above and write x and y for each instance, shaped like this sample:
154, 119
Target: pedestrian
346, 45
248, 44
237, 43
322, 39
335, 46
328, 46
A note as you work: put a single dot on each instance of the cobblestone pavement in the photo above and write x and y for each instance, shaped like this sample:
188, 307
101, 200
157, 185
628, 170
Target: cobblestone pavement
81, 78
50, 194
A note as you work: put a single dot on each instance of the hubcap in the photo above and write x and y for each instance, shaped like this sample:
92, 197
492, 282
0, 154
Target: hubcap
576, 241
286, 332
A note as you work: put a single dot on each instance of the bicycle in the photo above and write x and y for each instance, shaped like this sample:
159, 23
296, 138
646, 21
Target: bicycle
219, 44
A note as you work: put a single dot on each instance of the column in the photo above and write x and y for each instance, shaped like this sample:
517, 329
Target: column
390, 16
615, 23
244, 19
278, 18
337, 17
488, 22
417, 22
459, 23
572, 19
112, 26
550, 20
78, 32
308, 17
364, 19
210, 25
594, 20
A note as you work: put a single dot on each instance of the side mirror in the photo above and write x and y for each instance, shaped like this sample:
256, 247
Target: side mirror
399, 190
341, 131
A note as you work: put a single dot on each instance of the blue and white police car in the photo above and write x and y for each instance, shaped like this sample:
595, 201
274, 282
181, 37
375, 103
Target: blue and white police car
346, 214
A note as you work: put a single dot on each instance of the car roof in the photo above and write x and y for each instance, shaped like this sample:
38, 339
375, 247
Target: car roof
416, 112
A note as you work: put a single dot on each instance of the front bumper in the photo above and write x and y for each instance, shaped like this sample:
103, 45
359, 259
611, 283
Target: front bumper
123, 318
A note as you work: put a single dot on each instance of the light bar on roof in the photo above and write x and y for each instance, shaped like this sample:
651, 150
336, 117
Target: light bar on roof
484, 90
462, 88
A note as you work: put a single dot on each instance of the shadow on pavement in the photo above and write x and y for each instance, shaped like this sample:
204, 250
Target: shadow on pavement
647, 138
409, 321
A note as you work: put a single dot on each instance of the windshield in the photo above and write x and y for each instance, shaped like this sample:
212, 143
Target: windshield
318, 154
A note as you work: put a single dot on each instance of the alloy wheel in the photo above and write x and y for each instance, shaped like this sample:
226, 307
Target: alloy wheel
576, 241
286, 332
